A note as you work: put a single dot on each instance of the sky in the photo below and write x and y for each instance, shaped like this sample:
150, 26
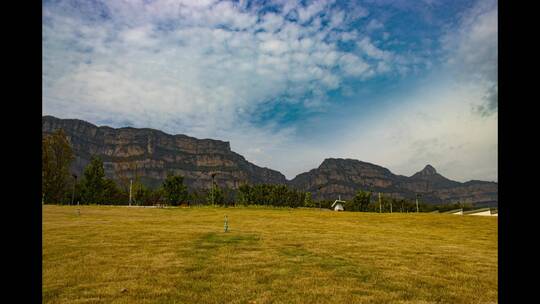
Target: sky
401, 84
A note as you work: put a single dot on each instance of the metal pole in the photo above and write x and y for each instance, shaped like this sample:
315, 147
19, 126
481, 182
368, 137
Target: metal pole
130, 185
73, 192
213, 203
380, 206
417, 203
319, 193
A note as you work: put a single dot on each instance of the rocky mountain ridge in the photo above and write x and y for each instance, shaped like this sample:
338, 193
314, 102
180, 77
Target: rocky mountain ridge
152, 154
337, 176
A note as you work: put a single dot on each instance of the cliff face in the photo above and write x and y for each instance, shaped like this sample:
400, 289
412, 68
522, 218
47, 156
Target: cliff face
151, 154
345, 176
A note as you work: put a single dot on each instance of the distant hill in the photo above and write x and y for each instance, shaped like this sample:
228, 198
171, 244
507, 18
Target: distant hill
336, 176
152, 154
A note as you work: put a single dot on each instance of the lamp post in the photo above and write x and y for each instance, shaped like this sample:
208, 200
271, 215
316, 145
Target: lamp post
73, 192
319, 190
130, 185
213, 175
380, 203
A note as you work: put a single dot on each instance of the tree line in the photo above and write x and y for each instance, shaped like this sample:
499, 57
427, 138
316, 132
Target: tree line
59, 186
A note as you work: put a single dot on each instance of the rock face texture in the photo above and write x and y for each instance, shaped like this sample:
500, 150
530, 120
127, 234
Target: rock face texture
345, 176
152, 154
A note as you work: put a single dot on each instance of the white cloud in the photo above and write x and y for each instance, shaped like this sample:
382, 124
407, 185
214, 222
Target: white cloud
196, 60
432, 124
306, 13
352, 65
274, 46
435, 121
473, 50
374, 25
271, 22
368, 48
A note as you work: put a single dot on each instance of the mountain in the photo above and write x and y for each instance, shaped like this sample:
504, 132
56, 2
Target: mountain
152, 154
336, 176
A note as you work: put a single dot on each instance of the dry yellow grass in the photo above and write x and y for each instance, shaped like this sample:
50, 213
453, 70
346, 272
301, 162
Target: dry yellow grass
143, 255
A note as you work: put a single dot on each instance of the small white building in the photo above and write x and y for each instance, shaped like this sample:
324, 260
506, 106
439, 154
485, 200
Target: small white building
455, 211
482, 212
338, 204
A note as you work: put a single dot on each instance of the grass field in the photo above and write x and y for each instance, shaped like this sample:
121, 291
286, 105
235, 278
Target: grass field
182, 255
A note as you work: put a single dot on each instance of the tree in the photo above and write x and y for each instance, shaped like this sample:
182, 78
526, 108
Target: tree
113, 194
244, 194
279, 195
271, 195
174, 190
401, 205
56, 158
155, 196
228, 196
308, 201
198, 196
143, 195
94, 182
386, 202
215, 196
126, 174
359, 202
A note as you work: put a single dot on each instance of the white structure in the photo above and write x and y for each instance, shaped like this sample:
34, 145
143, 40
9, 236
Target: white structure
482, 212
338, 204
455, 211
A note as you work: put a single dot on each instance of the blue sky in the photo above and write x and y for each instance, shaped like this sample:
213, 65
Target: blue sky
288, 83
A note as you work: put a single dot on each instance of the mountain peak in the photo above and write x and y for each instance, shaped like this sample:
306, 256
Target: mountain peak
428, 170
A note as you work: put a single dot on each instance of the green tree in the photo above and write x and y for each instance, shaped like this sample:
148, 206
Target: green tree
271, 195
308, 201
174, 190
360, 201
112, 194
156, 196
142, 195
244, 194
56, 158
94, 183
386, 201
198, 197
278, 195
215, 195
